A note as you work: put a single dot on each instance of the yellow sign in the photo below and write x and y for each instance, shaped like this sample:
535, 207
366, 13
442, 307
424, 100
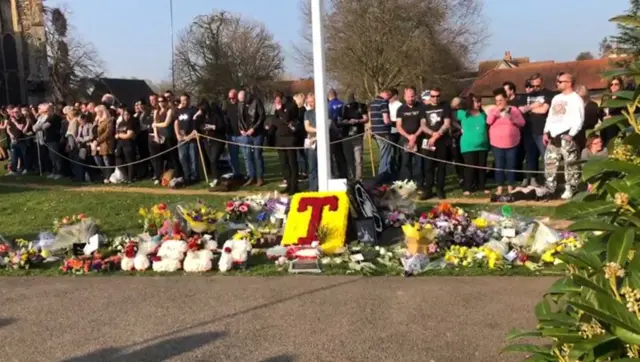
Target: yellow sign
318, 216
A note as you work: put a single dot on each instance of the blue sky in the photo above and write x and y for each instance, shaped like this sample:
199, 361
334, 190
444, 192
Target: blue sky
133, 36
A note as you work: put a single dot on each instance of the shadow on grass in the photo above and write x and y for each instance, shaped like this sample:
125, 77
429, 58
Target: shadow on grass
160, 351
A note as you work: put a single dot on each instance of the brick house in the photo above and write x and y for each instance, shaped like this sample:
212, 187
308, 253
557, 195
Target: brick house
492, 74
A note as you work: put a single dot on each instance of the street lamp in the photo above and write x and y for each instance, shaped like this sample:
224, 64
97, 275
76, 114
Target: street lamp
322, 119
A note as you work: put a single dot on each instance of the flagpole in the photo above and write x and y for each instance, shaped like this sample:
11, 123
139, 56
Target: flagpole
322, 119
173, 57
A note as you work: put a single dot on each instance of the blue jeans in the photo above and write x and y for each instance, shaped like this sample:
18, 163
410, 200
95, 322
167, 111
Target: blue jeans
534, 149
53, 147
234, 155
312, 157
19, 151
105, 164
253, 156
385, 173
302, 161
505, 160
188, 160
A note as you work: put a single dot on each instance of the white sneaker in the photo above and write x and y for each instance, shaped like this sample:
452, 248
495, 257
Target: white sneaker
51, 176
24, 172
567, 194
213, 183
106, 181
156, 182
56, 177
11, 173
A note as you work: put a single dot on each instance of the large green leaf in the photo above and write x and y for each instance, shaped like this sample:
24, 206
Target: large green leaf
616, 103
565, 334
632, 279
543, 308
596, 283
626, 335
634, 264
586, 258
615, 73
625, 94
588, 345
516, 334
592, 225
575, 210
619, 245
557, 320
607, 309
613, 120
564, 285
596, 244
630, 20
528, 348
596, 167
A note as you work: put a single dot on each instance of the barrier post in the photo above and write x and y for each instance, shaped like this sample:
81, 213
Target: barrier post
373, 166
204, 164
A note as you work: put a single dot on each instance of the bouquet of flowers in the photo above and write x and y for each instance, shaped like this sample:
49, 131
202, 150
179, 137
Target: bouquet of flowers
88, 264
569, 242
237, 210
199, 217
395, 218
154, 217
453, 226
67, 221
250, 234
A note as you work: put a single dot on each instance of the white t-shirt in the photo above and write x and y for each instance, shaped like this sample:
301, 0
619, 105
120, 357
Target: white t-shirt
393, 113
566, 113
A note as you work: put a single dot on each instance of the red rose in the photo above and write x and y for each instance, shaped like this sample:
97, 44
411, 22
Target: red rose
523, 258
230, 205
82, 216
4, 248
423, 215
162, 207
227, 249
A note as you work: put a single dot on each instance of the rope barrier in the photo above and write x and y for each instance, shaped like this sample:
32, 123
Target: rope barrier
486, 168
276, 147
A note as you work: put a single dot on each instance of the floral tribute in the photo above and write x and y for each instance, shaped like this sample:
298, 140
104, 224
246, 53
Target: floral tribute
237, 210
90, 264
310, 211
67, 221
154, 217
199, 217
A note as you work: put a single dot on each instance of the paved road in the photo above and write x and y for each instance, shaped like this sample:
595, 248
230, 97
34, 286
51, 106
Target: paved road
263, 319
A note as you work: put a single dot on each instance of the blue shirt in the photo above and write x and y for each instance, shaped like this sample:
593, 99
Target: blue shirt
378, 108
335, 109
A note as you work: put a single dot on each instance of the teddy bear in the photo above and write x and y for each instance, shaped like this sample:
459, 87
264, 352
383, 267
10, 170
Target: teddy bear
198, 261
234, 252
141, 261
170, 255
128, 255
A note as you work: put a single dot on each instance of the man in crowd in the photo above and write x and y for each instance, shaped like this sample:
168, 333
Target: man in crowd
565, 120
409, 121
48, 134
251, 117
144, 117
16, 127
381, 128
437, 144
535, 111
185, 128
351, 121
338, 159
231, 111
394, 135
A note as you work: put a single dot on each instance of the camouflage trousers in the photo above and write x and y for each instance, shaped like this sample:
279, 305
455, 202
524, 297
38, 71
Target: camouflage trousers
567, 152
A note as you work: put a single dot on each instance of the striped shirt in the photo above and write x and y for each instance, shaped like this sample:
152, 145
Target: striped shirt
378, 108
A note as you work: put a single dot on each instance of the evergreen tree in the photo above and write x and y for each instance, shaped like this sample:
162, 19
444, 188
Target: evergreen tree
628, 37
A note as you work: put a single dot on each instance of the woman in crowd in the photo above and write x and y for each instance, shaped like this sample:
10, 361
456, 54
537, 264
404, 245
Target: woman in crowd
591, 116
473, 144
211, 123
125, 152
504, 135
310, 142
160, 137
104, 143
302, 135
610, 132
594, 149
4, 137
84, 136
286, 125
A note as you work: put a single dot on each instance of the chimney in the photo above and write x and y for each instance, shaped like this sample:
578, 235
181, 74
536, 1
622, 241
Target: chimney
507, 56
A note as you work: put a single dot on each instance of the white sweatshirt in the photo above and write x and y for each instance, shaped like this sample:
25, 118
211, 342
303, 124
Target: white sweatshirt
565, 114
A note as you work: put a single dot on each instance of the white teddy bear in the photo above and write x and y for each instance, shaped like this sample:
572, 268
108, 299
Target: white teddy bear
234, 252
171, 254
198, 261
141, 261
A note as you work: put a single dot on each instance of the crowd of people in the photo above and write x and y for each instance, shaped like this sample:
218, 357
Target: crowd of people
163, 136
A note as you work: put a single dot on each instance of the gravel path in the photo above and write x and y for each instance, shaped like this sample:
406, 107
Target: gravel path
297, 318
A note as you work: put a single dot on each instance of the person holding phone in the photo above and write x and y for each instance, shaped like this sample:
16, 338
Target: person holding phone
437, 144
504, 123
409, 120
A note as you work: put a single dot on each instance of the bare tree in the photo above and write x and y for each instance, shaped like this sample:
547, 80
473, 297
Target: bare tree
374, 44
221, 51
70, 59
585, 56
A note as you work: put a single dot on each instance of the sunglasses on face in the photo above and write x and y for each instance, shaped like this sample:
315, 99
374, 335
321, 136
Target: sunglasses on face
615, 83
434, 95
560, 81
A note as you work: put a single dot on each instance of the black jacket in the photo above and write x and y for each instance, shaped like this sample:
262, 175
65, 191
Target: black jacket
286, 125
216, 118
251, 115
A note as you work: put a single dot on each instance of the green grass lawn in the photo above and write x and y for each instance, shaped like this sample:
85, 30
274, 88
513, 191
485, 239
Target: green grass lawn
27, 211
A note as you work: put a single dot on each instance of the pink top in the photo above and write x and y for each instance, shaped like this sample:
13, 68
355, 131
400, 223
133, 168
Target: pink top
504, 129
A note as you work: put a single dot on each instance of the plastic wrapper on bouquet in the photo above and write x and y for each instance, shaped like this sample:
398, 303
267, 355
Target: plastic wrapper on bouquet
77, 233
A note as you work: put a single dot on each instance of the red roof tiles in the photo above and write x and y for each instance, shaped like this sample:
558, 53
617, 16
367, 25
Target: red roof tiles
586, 72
